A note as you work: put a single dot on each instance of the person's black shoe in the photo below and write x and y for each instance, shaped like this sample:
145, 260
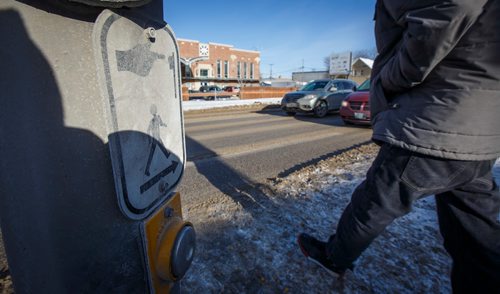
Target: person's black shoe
315, 251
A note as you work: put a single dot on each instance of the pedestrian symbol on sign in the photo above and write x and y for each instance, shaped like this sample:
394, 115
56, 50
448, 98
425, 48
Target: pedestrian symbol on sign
154, 132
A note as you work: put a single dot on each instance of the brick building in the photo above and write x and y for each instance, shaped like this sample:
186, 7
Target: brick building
217, 64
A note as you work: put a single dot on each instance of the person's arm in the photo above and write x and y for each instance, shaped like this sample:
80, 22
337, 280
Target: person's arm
432, 29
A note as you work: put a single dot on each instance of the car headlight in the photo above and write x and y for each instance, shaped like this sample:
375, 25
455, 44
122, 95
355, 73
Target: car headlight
309, 97
345, 103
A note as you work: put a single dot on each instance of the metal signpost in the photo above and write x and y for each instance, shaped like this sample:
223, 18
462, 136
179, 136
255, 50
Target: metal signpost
92, 148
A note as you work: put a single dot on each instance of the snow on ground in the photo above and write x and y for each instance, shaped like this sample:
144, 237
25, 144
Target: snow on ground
252, 249
246, 248
201, 104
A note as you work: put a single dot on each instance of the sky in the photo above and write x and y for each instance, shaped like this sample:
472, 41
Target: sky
288, 34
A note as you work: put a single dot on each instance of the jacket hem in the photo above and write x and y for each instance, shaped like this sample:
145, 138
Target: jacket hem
436, 152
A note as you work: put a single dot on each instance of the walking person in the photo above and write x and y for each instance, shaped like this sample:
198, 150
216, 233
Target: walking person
435, 102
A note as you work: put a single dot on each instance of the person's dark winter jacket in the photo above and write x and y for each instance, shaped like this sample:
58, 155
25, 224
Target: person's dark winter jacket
436, 81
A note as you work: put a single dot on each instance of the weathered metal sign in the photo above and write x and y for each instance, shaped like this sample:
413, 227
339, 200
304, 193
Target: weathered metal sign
140, 82
340, 63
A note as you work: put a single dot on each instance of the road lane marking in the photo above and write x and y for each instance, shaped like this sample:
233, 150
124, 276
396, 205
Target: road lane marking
227, 116
225, 124
262, 129
238, 150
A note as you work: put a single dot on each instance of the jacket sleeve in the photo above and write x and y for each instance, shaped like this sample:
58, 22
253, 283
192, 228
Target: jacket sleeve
432, 29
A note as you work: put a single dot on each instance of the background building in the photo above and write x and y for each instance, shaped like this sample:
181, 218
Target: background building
217, 64
361, 70
303, 77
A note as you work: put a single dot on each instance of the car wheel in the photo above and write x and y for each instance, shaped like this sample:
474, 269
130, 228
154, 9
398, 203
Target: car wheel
347, 122
290, 113
320, 109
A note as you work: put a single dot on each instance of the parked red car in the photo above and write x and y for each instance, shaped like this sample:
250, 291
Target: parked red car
356, 107
234, 89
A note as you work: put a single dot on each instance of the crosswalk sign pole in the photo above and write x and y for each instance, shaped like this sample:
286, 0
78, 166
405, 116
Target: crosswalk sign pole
88, 200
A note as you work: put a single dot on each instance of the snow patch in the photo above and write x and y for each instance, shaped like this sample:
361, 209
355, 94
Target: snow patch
197, 104
255, 250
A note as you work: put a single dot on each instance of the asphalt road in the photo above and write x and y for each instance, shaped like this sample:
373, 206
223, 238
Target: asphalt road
232, 151
231, 154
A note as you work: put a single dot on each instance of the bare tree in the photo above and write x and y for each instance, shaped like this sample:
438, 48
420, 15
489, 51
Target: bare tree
326, 63
364, 53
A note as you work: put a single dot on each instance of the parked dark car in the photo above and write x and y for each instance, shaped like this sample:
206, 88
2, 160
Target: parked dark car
210, 93
210, 89
318, 97
356, 107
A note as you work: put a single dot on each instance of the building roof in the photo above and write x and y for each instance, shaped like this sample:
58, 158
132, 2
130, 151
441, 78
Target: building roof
231, 47
220, 44
308, 72
187, 40
368, 62
244, 50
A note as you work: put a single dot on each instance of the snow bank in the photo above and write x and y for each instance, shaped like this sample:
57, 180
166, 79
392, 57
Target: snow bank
197, 104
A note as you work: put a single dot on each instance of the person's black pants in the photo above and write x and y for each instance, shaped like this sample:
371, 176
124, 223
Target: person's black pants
468, 205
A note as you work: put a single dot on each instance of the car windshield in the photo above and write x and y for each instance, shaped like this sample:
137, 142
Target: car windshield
365, 86
314, 86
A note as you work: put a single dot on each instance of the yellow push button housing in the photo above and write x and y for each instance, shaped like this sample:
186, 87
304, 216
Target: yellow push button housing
169, 244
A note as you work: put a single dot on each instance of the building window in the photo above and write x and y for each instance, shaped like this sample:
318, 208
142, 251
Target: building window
187, 71
218, 69
251, 71
244, 70
239, 70
226, 69
204, 73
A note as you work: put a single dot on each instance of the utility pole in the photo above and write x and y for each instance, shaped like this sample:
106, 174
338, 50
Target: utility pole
271, 73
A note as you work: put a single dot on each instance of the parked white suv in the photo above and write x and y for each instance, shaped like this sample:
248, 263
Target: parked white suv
318, 97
